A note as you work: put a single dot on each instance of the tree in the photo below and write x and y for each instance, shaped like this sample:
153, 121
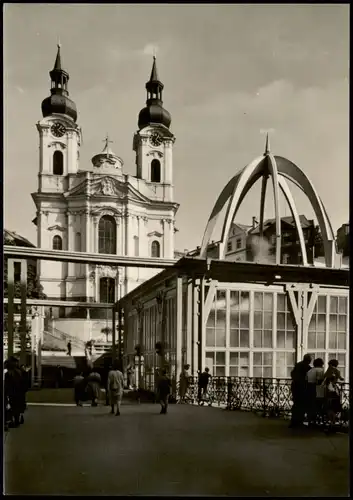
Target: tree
106, 331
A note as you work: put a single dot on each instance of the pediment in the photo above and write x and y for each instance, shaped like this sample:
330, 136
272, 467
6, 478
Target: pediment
107, 186
155, 233
56, 228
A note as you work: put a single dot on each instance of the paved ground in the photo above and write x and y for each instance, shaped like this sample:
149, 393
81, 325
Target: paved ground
191, 451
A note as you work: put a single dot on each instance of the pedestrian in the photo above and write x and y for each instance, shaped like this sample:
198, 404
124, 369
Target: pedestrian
69, 348
315, 390
116, 387
299, 391
332, 393
184, 383
156, 380
203, 385
93, 386
13, 388
164, 389
79, 388
130, 372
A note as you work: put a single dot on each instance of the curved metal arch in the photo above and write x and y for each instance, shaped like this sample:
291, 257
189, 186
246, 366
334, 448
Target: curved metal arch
279, 169
291, 203
221, 201
274, 175
293, 172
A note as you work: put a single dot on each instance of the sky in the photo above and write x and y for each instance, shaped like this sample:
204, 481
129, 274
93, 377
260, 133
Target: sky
231, 73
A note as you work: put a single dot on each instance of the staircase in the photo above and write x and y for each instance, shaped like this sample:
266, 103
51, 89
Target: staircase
76, 344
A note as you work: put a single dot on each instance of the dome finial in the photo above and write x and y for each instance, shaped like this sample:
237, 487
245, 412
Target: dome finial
154, 73
267, 147
57, 64
106, 147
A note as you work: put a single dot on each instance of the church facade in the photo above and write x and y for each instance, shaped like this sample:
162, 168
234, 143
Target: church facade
102, 209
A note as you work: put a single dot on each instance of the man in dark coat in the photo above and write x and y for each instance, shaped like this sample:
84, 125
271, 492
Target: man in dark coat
164, 386
14, 390
299, 391
203, 384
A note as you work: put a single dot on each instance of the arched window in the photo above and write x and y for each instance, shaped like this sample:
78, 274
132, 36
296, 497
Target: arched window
57, 243
78, 242
155, 249
58, 163
107, 235
155, 171
107, 290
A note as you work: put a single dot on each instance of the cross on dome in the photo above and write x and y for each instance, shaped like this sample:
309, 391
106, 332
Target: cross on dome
106, 147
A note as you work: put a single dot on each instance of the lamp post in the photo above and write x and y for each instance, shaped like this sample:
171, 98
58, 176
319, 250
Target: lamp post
160, 298
139, 309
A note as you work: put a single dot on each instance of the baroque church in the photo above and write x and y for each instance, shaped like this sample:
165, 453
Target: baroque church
102, 209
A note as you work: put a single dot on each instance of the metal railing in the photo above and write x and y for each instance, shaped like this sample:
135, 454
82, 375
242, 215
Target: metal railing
269, 396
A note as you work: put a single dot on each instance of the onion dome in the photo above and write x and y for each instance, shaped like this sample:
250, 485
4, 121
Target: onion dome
58, 101
154, 112
107, 159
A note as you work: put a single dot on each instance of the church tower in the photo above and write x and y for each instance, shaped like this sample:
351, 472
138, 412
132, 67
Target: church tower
59, 152
153, 143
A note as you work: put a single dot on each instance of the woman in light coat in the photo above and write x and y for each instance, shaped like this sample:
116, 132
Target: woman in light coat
115, 387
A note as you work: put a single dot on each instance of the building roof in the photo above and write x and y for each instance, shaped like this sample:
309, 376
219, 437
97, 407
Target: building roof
17, 239
287, 220
245, 227
241, 272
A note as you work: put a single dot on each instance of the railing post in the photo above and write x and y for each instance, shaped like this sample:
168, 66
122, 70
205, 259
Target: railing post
229, 394
264, 396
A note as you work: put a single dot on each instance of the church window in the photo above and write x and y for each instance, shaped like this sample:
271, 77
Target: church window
78, 242
107, 290
57, 243
58, 163
107, 235
155, 171
155, 249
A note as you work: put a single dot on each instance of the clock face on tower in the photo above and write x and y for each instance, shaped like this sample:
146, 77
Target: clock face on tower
58, 129
155, 139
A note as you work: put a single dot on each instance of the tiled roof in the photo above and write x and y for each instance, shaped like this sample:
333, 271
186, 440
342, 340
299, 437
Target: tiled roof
18, 239
288, 220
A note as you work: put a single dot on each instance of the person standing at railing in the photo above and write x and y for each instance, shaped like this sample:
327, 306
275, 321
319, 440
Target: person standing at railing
299, 391
184, 383
204, 379
69, 348
316, 392
332, 393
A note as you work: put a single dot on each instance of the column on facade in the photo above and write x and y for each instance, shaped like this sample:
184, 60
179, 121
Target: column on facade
71, 240
127, 219
88, 248
168, 162
170, 252
179, 326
